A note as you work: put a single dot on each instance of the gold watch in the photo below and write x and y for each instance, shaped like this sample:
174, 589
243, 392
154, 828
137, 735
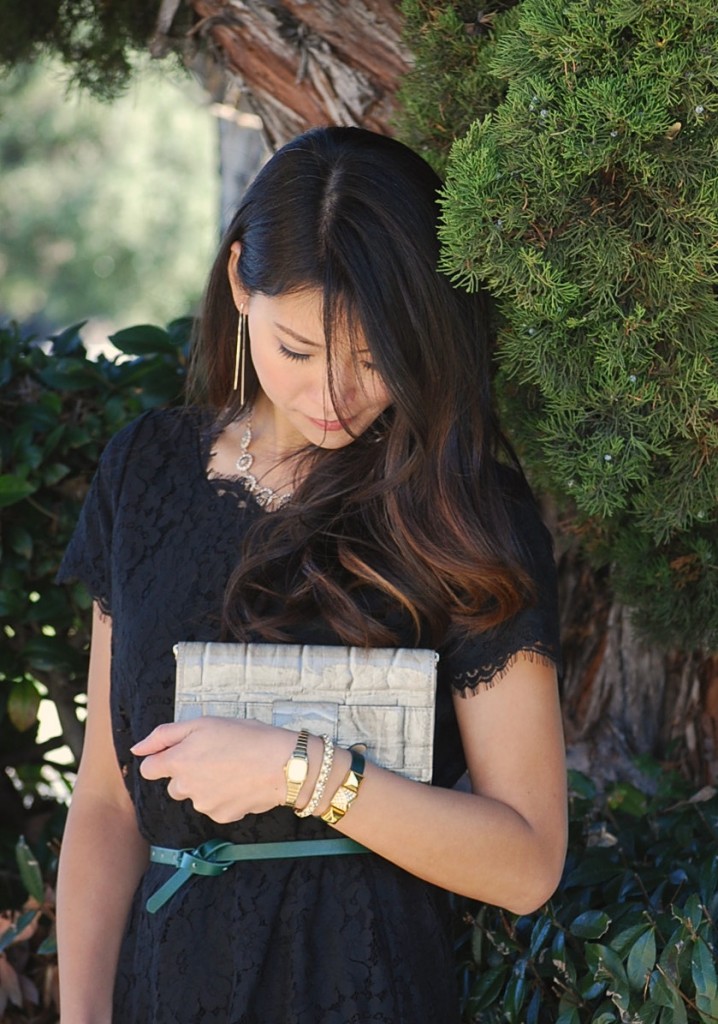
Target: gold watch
296, 768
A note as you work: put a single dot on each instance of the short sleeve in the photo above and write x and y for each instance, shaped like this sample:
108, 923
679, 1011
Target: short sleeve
533, 632
88, 556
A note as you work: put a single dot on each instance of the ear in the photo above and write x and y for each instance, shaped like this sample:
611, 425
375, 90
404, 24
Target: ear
239, 292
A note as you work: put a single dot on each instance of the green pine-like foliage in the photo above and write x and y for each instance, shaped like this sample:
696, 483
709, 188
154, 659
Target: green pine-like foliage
587, 202
451, 84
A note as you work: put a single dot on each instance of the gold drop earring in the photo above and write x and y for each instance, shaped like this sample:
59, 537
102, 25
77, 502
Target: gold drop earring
240, 355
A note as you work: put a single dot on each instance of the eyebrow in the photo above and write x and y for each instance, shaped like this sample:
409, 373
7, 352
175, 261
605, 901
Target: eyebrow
306, 341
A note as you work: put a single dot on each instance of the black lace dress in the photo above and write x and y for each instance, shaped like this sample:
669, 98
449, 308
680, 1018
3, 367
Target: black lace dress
322, 940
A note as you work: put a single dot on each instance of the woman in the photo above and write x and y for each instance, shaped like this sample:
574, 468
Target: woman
358, 493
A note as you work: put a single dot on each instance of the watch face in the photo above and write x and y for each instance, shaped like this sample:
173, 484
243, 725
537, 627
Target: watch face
296, 770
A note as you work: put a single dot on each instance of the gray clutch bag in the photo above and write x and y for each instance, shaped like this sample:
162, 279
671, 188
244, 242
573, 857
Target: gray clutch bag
383, 698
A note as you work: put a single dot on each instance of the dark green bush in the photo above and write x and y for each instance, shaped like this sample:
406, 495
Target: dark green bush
58, 410
631, 934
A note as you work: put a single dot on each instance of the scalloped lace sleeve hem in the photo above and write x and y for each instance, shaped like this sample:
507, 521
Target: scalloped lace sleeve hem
469, 682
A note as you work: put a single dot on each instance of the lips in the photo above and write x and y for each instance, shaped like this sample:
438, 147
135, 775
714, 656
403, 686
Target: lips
328, 425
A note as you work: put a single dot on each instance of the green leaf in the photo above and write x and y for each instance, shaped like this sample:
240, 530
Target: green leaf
581, 785
534, 1007
48, 946
678, 1010
23, 704
589, 988
14, 489
607, 965
5, 372
707, 1009
703, 971
20, 925
659, 989
488, 987
180, 330
53, 473
604, 1017
569, 1017
143, 339
592, 924
708, 879
515, 993
641, 960
70, 374
623, 942
692, 910
592, 870
46, 653
29, 870
627, 798
68, 342
20, 540
648, 1013
539, 933
11, 602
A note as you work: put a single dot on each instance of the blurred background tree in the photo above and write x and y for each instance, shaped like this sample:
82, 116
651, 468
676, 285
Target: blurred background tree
107, 210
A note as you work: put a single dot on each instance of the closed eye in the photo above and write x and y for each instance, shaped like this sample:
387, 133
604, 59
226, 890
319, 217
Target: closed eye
289, 353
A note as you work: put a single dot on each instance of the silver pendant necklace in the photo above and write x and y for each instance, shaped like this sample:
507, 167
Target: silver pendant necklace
264, 496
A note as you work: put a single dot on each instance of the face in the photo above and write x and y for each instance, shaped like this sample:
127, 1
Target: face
290, 357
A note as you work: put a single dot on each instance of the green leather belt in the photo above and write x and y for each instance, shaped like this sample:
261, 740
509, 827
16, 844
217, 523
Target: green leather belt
215, 856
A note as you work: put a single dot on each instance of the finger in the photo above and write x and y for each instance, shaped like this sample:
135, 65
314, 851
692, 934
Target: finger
155, 766
162, 738
174, 791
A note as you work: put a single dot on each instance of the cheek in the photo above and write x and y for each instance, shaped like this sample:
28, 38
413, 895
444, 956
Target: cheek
380, 394
273, 373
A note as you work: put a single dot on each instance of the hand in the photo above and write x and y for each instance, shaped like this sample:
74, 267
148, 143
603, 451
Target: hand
227, 767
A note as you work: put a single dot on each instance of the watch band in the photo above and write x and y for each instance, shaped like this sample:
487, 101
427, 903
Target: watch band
296, 768
347, 792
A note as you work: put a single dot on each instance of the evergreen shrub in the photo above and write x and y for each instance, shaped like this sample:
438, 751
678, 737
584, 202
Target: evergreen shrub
451, 84
587, 201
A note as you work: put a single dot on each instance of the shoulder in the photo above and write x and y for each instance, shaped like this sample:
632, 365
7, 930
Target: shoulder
154, 430
149, 447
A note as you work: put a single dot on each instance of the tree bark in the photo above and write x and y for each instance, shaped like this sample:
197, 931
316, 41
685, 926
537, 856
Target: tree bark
623, 697
305, 64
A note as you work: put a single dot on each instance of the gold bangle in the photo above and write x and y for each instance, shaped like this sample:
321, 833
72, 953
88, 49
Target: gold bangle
348, 791
315, 799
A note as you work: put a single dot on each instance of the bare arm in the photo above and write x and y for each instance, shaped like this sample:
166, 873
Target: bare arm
504, 843
102, 858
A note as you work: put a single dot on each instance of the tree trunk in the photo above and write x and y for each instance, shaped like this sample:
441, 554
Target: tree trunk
306, 64
624, 698
302, 64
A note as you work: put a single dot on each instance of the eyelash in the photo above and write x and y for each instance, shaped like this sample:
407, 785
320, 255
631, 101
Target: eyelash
301, 357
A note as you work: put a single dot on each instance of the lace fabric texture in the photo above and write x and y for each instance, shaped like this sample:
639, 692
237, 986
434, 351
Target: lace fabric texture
335, 939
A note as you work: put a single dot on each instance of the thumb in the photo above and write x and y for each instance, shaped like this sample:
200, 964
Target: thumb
162, 738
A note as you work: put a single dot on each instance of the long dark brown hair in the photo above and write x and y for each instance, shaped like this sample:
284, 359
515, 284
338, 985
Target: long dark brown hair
410, 521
